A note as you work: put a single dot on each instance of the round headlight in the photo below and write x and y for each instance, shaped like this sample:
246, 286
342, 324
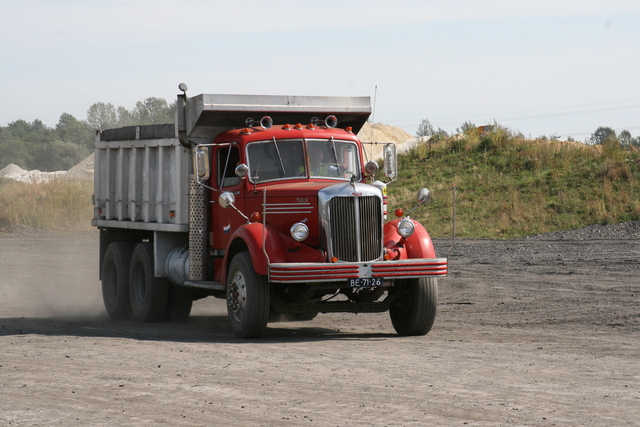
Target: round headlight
406, 227
299, 231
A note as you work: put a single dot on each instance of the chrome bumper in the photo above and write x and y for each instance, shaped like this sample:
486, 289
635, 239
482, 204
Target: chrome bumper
337, 272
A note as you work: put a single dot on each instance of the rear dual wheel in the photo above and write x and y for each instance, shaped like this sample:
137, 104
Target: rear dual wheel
115, 280
129, 287
148, 294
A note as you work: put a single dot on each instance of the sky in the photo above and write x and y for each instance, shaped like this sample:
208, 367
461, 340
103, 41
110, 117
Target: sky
556, 68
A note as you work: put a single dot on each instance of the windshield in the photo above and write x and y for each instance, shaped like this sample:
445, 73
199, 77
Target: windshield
285, 159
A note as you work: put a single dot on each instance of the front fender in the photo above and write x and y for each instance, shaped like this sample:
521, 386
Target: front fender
255, 237
418, 245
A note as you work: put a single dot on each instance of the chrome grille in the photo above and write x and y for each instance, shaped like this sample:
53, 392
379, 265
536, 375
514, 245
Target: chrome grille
356, 228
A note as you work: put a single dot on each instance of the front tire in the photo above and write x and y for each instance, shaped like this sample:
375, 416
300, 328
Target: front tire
115, 280
148, 294
247, 298
415, 310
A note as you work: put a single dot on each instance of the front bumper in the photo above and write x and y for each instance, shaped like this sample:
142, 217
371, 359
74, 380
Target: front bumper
338, 272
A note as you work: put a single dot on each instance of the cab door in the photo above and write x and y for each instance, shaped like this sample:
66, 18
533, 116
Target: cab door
224, 221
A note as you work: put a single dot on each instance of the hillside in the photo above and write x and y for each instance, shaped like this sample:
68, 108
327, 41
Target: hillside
506, 187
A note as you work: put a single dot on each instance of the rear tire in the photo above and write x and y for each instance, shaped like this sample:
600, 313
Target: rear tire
415, 310
247, 298
148, 294
115, 280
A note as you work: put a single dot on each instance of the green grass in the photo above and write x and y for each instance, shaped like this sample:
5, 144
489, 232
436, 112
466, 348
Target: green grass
508, 187
58, 205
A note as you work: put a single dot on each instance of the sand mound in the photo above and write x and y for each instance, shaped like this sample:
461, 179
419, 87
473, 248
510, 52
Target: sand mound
374, 136
34, 176
81, 171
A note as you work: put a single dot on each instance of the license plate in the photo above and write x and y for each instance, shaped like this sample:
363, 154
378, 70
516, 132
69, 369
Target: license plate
366, 282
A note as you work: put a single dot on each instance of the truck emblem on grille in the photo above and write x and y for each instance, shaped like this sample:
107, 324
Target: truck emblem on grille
356, 194
302, 199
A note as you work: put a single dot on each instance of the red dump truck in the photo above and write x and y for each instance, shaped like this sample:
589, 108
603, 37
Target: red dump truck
264, 201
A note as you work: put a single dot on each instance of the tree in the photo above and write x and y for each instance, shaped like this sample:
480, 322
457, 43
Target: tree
70, 129
626, 140
601, 135
125, 118
424, 129
153, 111
467, 128
102, 116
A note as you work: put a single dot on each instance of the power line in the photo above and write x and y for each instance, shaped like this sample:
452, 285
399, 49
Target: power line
447, 120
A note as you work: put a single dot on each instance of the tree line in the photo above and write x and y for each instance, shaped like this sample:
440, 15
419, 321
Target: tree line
37, 146
602, 135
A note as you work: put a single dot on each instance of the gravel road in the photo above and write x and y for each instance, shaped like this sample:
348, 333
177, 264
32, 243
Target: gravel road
543, 331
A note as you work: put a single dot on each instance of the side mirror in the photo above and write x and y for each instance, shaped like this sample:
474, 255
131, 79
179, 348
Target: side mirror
201, 163
390, 161
424, 196
241, 170
226, 199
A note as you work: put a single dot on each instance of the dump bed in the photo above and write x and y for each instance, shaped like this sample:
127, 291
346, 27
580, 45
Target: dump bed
141, 179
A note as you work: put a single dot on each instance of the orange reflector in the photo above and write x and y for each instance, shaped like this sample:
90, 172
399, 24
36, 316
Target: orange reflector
349, 129
334, 259
298, 126
246, 131
310, 126
399, 212
286, 127
172, 214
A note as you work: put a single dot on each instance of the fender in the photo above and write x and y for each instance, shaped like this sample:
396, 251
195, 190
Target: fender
281, 248
418, 245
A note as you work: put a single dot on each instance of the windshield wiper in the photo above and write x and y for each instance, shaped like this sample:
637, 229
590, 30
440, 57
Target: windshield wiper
279, 156
333, 151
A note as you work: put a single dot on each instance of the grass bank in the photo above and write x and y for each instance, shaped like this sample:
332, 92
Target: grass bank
509, 187
57, 205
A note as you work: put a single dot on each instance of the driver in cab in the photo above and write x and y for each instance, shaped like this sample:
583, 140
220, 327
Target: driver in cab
321, 162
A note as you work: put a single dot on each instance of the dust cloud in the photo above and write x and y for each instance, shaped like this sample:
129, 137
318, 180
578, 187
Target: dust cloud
55, 278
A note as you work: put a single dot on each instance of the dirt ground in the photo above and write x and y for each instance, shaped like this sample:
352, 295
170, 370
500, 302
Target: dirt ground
529, 332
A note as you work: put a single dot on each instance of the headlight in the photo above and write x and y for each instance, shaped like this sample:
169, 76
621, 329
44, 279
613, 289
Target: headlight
406, 227
299, 231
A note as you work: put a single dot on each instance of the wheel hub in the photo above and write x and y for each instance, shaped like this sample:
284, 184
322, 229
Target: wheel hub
237, 296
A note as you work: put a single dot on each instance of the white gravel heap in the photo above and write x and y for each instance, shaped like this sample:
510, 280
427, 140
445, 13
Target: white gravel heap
82, 171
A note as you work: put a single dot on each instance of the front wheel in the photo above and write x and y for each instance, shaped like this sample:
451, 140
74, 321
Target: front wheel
247, 298
415, 310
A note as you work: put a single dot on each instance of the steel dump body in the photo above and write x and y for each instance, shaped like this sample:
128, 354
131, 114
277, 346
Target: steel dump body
271, 218
141, 183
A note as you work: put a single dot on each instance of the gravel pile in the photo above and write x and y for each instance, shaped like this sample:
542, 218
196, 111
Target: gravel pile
624, 230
